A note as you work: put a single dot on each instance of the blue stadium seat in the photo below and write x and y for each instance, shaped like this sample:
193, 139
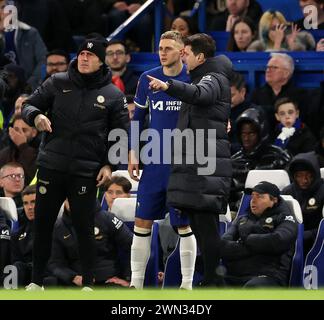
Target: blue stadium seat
290, 9
315, 256
8, 206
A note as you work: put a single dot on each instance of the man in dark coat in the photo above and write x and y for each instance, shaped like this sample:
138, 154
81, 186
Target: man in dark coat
256, 152
82, 107
308, 189
22, 240
199, 191
257, 249
112, 238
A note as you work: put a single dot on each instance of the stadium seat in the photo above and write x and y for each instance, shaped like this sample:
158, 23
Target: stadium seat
124, 209
9, 208
322, 173
296, 273
290, 9
278, 177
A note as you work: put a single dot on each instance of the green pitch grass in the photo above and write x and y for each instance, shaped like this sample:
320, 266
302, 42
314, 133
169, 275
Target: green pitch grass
158, 294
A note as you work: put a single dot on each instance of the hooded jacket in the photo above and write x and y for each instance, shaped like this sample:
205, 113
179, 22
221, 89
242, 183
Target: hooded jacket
264, 156
206, 104
83, 109
261, 245
310, 200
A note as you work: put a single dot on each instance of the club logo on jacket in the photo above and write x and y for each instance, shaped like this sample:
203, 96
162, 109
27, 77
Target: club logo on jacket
22, 236
101, 99
312, 205
42, 190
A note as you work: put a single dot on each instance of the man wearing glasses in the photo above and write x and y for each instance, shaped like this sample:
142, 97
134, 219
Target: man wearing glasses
117, 58
56, 61
12, 181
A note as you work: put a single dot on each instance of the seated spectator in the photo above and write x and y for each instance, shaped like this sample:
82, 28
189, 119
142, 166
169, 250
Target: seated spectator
12, 182
256, 152
275, 34
258, 248
319, 149
22, 240
185, 25
23, 46
308, 189
320, 45
117, 187
111, 236
291, 134
243, 33
4, 135
56, 61
279, 84
4, 244
239, 104
235, 9
117, 58
319, 4
22, 148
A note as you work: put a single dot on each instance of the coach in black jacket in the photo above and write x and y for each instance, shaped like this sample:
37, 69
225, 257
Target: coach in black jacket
202, 194
257, 249
112, 236
82, 106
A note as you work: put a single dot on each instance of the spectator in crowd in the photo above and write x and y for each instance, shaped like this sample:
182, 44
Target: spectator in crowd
320, 45
275, 34
319, 149
238, 105
12, 181
279, 84
319, 13
4, 244
22, 240
22, 148
207, 197
18, 104
111, 237
4, 135
44, 16
24, 46
243, 33
258, 248
117, 58
56, 61
308, 189
117, 187
73, 160
235, 9
291, 134
152, 189
185, 25
256, 152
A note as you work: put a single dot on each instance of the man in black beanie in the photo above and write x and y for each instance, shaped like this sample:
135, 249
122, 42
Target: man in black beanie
76, 110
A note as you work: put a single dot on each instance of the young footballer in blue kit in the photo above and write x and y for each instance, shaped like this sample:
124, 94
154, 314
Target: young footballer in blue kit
151, 197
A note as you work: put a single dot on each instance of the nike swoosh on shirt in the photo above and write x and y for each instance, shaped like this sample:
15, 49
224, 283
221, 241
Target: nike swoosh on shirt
66, 90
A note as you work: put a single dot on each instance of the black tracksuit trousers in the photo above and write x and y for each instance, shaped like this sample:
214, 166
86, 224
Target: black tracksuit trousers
53, 188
